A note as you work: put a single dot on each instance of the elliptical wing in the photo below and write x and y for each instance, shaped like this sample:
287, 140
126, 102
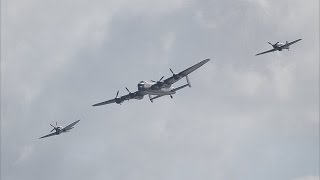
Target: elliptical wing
271, 50
70, 126
290, 43
51, 134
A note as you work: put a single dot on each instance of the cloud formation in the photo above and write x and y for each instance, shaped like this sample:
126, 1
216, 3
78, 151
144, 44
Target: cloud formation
245, 117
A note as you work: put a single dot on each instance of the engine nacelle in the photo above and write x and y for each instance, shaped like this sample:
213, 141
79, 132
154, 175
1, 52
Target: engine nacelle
138, 97
119, 100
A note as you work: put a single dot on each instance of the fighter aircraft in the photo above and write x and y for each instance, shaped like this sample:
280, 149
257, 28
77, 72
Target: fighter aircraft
279, 46
156, 89
60, 129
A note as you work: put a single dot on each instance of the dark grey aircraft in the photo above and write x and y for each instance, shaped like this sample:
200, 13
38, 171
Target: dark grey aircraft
60, 129
279, 46
156, 88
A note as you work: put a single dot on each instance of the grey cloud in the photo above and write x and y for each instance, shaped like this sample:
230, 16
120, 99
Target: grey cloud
245, 117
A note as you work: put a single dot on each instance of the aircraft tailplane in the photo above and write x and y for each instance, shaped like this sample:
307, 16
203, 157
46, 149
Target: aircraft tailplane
183, 86
151, 99
188, 81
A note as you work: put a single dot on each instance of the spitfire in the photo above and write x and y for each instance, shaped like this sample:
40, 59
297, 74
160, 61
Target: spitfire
279, 46
59, 129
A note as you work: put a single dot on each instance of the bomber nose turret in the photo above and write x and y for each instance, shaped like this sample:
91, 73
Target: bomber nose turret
141, 85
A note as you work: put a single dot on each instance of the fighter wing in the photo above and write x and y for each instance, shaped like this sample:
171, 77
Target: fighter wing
177, 77
51, 134
271, 50
293, 42
70, 126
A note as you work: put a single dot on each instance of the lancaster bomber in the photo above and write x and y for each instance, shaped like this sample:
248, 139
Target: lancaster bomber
156, 89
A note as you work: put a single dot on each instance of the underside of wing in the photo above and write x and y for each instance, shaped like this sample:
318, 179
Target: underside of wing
105, 102
177, 77
271, 50
70, 126
155, 97
51, 134
128, 96
119, 100
290, 43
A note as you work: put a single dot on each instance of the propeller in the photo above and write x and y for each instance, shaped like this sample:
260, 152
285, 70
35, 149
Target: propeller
117, 94
159, 83
131, 94
127, 89
54, 127
273, 44
159, 80
118, 100
175, 76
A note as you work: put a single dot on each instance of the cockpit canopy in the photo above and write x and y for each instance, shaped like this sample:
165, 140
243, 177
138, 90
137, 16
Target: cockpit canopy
279, 44
141, 84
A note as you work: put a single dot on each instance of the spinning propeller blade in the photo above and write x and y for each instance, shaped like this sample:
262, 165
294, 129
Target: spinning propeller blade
171, 71
54, 127
128, 90
159, 80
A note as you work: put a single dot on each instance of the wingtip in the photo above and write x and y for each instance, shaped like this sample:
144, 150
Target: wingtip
205, 61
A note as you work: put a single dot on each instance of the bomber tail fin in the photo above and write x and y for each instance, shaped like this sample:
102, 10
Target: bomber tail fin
188, 81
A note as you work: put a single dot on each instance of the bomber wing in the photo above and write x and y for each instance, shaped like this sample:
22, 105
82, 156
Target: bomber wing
70, 126
290, 43
115, 100
271, 50
51, 134
177, 77
105, 102
119, 100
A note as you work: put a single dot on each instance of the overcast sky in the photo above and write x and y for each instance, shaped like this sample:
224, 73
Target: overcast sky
246, 117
